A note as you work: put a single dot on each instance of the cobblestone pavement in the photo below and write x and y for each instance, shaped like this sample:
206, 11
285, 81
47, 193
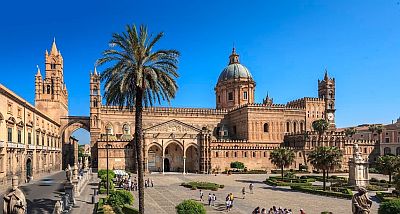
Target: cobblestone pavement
167, 193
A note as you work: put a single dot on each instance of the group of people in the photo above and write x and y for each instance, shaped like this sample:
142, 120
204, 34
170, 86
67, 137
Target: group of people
132, 185
275, 210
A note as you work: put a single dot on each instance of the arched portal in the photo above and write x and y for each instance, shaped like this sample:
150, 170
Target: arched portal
69, 143
192, 159
167, 165
174, 153
28, 168
155, 158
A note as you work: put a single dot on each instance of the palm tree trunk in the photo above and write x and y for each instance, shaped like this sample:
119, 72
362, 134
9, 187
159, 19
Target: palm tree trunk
139, 146
390, 178
324, 179
282, 172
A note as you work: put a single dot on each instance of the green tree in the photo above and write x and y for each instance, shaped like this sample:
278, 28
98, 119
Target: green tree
237, 165
389, 207
282, 157
190, 207
137, 77
387, 165
325, 158
120, 198
320, 126
349, 132
376, 129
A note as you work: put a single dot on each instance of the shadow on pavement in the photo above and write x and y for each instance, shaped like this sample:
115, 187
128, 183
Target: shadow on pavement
278, 189
250, 181
40, 206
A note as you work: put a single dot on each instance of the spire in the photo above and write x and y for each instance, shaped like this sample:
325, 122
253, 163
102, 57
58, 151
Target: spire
95, 71
54, 50
38, 74
326, 77
47, 53
234, 57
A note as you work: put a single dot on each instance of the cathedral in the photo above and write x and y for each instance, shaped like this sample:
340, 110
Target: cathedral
202, 140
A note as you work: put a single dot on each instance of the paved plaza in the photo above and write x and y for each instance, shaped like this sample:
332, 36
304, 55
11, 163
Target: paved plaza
167, 193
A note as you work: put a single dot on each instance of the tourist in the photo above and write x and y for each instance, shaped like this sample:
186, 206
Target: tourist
214, 198
152, 183
209, 199
263, 211
145, 183
231, 199
302, 211
256, 210
201, 195
251, 188
228, 204
129, 185
243, 192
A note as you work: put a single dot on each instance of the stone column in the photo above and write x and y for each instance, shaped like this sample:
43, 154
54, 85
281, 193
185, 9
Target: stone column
163, 157
184, 164
147, 165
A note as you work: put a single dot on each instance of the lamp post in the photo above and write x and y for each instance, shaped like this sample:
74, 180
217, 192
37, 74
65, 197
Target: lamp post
108, 183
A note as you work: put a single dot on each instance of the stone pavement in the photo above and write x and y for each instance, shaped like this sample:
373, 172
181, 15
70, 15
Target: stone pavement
167, 193
84, 200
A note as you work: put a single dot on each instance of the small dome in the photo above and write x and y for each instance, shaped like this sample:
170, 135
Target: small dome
234, 69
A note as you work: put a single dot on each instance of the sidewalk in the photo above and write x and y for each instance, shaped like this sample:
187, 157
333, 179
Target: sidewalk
84, 201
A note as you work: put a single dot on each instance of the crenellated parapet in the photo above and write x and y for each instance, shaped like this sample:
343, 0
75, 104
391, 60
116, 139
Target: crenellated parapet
165, 110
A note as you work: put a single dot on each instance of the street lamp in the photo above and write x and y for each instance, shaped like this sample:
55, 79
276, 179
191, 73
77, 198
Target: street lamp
108, 129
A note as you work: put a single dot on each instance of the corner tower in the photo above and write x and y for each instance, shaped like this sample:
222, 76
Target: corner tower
51, 95
326, 91
235, 85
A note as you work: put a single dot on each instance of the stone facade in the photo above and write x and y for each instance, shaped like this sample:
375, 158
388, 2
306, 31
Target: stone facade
208, 140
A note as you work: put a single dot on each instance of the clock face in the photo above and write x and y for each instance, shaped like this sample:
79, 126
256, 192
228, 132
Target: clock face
330, 116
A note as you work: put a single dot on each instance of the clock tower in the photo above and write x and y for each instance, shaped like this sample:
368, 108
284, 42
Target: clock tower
326, 91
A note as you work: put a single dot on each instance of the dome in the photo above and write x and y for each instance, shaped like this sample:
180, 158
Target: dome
234, 69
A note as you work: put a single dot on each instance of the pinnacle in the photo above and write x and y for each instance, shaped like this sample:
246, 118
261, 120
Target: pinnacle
54, 50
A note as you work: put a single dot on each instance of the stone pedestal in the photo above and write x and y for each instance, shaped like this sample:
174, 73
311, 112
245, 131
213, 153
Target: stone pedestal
70, 193
358, 169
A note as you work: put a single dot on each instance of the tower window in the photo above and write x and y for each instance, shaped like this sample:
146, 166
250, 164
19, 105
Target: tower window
48, 89
9, 134
230, 96
245, 95
95, 103
287, 126
266, 127
294, 127
53, 66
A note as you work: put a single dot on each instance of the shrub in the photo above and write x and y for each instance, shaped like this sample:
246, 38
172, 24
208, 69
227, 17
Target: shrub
237, 165
202, 185
337, 192
371, 187
129, 210
190, 207
383, 181
120, 198
373, 180
389, 207
101, 172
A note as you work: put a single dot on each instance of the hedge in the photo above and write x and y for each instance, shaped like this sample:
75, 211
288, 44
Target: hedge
203, 185
389, 207
273, 182
385, 196
190, 207
120, 198
293, 180
347, 193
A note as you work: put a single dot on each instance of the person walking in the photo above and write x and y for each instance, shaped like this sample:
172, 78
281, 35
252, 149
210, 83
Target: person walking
209, 199
152, 183
251, 188
302, 211
228, 203
201, 195
243, 192
214, 198
231, 199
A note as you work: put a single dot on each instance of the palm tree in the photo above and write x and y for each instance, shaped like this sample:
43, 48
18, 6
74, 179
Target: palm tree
387, 165
138, 76
320, 126
282, 157
349, 132
325, 158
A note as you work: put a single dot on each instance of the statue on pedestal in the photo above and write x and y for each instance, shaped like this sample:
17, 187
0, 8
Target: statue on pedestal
361, 204
86, 162
14, 201
68, 172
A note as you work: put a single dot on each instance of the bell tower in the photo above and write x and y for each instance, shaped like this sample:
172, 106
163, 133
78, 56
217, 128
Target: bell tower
326, 91
51, 95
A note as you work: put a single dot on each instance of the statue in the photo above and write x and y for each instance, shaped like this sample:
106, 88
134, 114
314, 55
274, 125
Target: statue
361, 204
86, 162
68, 172
357, 153
14, 201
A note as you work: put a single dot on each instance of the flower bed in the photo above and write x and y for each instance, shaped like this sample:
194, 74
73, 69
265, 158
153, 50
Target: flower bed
337, 192
202, 185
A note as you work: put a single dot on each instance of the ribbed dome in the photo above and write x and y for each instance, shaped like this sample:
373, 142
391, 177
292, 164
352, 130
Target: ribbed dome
234, 69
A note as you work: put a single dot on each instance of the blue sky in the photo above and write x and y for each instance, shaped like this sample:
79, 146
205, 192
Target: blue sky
285, 44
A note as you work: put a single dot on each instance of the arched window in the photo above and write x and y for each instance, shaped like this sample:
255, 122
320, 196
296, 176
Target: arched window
235, 154
266, 127
254, 154
109, 129
265, 154
95, 103
300, 154
287, 127
216, 154
95, 90
126, 129
48, 89
398, 151
227, 154
245, 154
294, 127
387, 151
301, 127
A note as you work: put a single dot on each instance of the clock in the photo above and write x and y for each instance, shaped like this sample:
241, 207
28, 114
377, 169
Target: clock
330, 116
